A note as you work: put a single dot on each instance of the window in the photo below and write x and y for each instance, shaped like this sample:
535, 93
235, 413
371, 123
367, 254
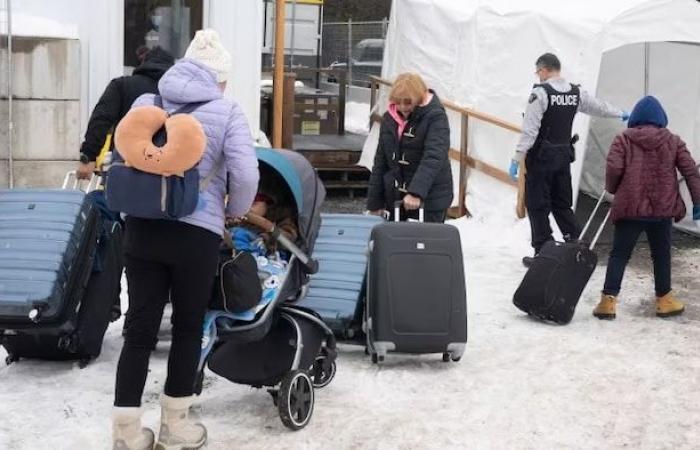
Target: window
170, 24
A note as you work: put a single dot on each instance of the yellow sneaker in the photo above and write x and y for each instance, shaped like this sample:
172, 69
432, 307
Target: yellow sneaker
606, 307
668, 306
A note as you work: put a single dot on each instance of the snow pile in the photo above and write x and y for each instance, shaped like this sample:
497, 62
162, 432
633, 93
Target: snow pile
357, 118
24, 25
522, 384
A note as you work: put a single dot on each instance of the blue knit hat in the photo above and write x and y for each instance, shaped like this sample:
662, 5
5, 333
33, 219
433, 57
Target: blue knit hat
648, 111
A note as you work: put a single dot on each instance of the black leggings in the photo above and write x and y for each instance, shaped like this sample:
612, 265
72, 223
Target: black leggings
164, 259
626, 234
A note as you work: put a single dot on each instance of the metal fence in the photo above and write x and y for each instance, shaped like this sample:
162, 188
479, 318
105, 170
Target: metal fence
357, 46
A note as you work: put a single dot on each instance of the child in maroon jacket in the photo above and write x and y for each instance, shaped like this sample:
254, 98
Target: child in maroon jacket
641, 172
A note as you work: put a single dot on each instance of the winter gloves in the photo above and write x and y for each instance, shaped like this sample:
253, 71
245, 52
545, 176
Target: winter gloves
513, 169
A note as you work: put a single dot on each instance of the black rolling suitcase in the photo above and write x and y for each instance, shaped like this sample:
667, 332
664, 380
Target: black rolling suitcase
53, 302
558, 275
416, 295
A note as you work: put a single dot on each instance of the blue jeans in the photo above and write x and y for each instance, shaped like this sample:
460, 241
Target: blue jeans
626, 234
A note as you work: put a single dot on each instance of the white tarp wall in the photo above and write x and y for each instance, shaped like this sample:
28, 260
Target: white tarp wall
668, 70
481, 53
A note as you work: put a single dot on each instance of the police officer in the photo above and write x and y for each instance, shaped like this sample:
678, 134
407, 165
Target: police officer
546, 145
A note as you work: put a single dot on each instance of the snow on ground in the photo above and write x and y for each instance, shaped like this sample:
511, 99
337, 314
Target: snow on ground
356, 115
522, 384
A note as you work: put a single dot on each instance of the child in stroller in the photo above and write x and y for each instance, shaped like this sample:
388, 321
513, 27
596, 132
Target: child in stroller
277, 344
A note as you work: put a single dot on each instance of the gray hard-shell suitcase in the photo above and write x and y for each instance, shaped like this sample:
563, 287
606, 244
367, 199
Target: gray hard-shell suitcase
48, 242
416, 294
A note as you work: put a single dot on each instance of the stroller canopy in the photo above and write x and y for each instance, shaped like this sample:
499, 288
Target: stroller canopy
303, 183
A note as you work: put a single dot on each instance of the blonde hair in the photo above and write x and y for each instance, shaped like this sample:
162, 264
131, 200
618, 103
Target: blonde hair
408, 85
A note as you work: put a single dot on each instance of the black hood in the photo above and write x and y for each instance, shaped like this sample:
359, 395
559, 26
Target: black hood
156, 62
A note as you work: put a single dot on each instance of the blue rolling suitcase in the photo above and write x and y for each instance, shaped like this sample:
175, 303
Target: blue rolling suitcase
48, 242
337, 290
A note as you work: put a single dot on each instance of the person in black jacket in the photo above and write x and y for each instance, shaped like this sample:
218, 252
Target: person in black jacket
116, 101
412, 160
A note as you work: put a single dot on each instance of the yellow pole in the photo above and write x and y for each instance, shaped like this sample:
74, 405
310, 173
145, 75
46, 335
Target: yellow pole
278, 77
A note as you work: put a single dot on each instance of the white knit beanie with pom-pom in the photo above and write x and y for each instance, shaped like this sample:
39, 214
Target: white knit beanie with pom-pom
206, 48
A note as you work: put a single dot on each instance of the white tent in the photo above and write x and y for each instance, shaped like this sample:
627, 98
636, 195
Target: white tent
481, 53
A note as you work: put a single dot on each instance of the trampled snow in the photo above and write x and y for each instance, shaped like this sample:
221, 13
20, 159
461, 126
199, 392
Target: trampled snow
522, 384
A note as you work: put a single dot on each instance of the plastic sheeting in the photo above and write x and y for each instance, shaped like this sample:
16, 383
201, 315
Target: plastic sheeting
481, 53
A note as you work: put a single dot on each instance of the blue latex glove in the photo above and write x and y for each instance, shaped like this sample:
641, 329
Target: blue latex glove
696, 212
513, 170
625, 116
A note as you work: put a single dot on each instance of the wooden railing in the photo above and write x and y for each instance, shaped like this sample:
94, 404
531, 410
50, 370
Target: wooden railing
462, 154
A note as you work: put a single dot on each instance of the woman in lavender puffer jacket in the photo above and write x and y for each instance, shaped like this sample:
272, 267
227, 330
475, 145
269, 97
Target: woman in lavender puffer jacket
177, 260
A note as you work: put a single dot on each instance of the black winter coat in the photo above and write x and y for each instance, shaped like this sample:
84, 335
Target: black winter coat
425, 146
117, 98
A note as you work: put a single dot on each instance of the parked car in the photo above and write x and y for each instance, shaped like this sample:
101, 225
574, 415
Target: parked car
366, 60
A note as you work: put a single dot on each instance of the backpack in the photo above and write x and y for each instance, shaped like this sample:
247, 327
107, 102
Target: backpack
152, 196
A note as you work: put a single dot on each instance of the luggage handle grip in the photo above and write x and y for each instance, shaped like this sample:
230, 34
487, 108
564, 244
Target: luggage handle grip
91, 186
599, 231
397, 210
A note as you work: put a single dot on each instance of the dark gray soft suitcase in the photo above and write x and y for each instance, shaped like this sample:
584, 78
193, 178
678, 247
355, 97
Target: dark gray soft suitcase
416, 295
558, 276
48, 242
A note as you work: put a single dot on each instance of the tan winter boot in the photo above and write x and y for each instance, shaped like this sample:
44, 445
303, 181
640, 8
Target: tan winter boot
177, 431
127, 433
668, 306
606, 307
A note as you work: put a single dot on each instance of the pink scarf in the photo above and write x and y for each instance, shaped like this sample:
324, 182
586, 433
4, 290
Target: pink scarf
398, 117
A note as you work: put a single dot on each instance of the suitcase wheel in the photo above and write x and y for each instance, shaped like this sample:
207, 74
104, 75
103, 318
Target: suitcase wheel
295, 401
68, 343
322, 373
377, 358
11, 359
447, 357
83, 363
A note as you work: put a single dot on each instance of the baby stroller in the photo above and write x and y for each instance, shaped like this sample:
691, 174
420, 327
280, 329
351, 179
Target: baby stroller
278, 344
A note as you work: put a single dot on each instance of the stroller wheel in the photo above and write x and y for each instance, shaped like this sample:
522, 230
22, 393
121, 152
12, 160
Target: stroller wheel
322, 373
296, 400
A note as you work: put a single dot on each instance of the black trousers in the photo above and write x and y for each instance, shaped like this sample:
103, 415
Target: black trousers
164, 259
548, 191
626, 234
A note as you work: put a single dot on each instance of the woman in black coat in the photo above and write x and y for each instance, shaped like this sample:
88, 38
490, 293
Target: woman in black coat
412, 160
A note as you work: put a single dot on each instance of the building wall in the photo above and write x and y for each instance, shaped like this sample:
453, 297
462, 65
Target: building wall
46, 110
48, 133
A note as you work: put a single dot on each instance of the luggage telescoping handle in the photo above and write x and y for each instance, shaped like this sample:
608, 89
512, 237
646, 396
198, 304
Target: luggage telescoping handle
91, 186
269, 227
397, 210
590, 220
